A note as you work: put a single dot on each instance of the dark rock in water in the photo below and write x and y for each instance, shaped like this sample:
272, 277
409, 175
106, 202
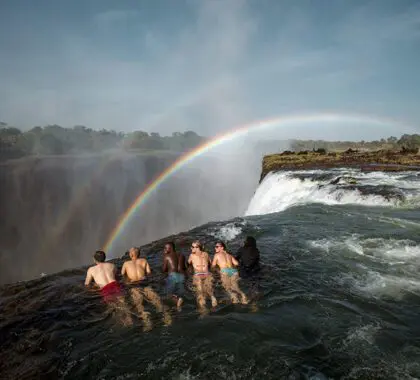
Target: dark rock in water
326, 176
349, 180
385, 191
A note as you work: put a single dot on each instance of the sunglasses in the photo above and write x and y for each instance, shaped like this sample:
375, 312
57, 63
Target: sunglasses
194, 246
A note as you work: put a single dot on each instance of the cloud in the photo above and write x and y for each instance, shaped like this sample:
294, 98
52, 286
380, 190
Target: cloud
215, 64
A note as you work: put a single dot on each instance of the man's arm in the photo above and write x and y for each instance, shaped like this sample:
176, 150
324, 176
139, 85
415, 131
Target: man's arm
165, 264
123, 270
190, 259
89, 277
181, 263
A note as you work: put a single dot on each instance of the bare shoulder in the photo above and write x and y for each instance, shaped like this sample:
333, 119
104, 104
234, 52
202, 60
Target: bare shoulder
110, 265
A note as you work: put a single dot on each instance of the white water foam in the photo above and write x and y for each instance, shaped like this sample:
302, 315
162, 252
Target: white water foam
281, 190
388, 252
362, 334
384, 250
227, 232
380, 285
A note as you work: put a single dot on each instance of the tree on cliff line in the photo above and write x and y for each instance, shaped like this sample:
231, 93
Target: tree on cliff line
54, 139
411, 142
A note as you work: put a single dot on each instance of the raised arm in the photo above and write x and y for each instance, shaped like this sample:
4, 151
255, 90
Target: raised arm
89, 277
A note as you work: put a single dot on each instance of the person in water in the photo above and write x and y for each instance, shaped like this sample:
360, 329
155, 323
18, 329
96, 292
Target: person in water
228, 273
249, 256
174, 265
103, 274
202, 279
137, 268
136, 271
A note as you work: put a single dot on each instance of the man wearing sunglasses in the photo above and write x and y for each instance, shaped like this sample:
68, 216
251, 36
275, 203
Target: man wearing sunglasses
202, 279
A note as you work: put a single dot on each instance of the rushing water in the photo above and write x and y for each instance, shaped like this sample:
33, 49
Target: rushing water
338, 296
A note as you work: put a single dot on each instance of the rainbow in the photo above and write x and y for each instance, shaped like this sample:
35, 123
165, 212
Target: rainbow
228, 136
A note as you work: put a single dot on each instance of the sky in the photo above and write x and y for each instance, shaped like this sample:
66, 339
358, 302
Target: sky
208, 65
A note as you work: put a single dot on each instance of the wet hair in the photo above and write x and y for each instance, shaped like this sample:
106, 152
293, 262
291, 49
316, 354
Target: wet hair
199, 244
136, 251
172, 244
221, 243
250, 242
99, 256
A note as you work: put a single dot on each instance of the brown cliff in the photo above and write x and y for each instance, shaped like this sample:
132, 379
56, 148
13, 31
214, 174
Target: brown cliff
380, 160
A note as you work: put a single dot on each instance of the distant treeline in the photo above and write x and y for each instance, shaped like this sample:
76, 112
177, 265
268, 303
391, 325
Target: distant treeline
57, 140
410, 142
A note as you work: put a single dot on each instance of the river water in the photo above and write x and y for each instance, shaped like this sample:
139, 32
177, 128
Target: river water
338, 296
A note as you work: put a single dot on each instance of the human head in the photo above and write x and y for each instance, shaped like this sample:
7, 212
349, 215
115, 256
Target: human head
134, 253
169, 247
219, 244
99, 256
196, 246
250, 242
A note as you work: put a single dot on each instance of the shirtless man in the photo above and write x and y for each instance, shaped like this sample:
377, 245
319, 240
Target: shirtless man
203, 279
103, 274
137, 268
174, 264
135, 271
228, 273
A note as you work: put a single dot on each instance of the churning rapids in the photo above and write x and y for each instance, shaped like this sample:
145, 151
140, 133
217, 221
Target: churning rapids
338, 296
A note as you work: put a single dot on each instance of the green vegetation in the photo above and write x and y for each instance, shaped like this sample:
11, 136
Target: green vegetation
391, 143
56, 140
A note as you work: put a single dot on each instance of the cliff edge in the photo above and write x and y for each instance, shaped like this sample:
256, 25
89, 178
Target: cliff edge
380, 160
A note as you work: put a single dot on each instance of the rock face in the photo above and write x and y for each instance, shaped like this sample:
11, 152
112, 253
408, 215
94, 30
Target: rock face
381, 160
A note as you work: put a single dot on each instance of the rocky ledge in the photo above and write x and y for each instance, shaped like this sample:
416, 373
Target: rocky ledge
380, 160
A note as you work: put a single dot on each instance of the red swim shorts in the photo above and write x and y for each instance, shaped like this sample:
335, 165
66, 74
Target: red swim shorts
111, 291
